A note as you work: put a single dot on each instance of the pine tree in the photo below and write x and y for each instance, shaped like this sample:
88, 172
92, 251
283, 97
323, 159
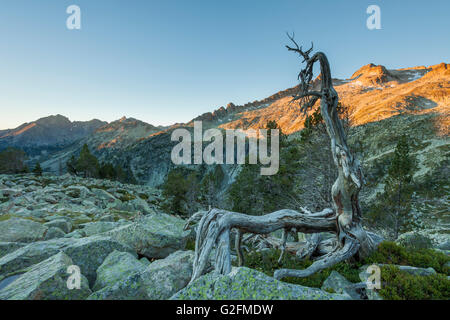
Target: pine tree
87, 163
256, 194
107, 171
210, 187
393, 209
37, 170
398, 188
174, 190
72, 165
243, 194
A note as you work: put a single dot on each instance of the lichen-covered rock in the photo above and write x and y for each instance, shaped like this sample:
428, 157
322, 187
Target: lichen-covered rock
248, 284
153, 236
336, 283
54, 233
46, 281
170, 274
31, 254
8, 247
76, 234
115, 268
140, 205
63, 224
89, 253
444, 246
159, 281
129, 289
93, 228
21, 230
107, 218
144, 261
103, 195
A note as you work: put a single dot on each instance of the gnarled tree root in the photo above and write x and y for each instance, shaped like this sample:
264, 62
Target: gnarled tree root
347, 251
214, 231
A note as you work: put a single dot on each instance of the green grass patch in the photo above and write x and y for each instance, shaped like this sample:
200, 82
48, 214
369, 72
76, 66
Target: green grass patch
97, 187
391, 253
125, 196
398, 285
143, 196
190, 244
5, 217
74, 193
8, 216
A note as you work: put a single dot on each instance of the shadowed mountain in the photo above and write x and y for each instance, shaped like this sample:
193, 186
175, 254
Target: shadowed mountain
106, 142
47, 134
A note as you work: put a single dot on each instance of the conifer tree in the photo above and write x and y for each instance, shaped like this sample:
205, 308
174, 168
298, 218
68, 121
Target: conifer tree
393, 209
37, 170
87, 163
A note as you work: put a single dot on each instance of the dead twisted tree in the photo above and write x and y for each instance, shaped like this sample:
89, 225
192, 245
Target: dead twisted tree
344, 219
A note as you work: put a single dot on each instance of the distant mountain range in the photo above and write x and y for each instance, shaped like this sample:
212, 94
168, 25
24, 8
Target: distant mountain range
373, 93
47, 134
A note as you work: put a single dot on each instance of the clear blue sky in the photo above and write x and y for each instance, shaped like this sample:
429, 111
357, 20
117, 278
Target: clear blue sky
169, 61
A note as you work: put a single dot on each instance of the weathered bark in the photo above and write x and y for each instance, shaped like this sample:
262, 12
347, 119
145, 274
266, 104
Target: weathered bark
344, 219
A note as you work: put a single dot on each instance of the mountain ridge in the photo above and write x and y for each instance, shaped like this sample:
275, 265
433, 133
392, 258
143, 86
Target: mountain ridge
373, 93
47, 134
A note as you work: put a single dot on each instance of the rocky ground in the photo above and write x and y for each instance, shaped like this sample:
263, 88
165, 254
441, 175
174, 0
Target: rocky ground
124, 246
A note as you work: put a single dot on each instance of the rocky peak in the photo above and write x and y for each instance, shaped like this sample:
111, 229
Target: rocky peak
372, 74
54, 120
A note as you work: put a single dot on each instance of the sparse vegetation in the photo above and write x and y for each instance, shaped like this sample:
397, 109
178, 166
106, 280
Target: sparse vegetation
12, 161
88, 166
187, 190
395, 283
267, 262
391, 253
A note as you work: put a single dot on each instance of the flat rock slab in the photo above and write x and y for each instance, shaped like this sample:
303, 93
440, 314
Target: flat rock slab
21, 230
117, 267
88, 253
8, 247
93, 228
46, 281
158, 281
153, 236
63, 224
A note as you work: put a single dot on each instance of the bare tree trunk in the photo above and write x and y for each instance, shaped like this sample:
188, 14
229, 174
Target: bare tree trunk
344, 219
